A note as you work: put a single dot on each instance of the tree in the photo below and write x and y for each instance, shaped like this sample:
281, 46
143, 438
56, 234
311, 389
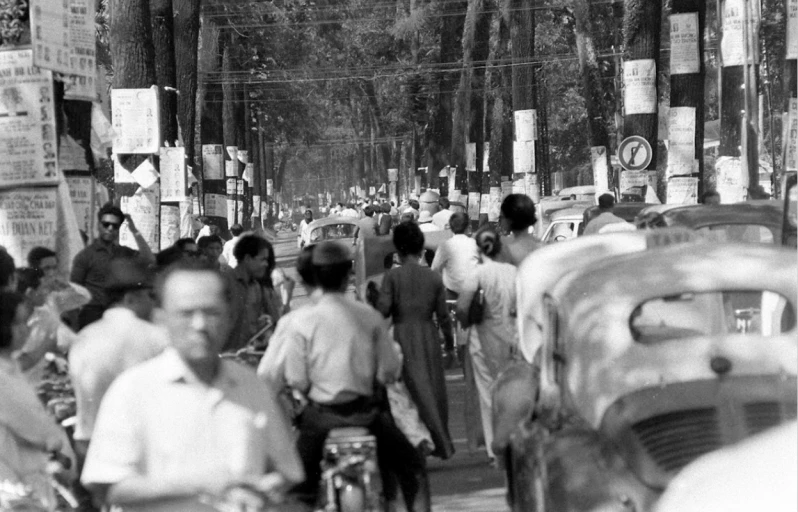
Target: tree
186, 14
500, 93
164, 50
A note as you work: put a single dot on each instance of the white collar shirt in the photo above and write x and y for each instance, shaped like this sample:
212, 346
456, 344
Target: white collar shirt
103, 350
334, 349
456, 258
159, 420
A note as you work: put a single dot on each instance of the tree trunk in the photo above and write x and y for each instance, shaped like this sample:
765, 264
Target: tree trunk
687, 89
187, 24
131, 44
499, 83
522, 34
641, 31
591, 79
163, 43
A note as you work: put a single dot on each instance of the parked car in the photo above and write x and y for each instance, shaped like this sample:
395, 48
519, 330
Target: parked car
331, 228
760, 473
516, 387
578, 193
751, 222
648, 361
547, 209
564, 225
626, 211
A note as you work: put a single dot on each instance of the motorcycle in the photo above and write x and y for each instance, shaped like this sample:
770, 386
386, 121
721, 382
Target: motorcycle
350, 479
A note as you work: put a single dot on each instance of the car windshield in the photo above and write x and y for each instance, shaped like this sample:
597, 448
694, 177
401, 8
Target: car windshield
747, 233
333, 232
711, 313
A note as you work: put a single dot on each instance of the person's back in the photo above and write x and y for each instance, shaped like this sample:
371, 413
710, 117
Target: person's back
456, 257
517, 217
441, 218
367, 226
229, 246
606, 217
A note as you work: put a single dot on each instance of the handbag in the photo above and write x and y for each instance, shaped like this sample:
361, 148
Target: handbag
476, 310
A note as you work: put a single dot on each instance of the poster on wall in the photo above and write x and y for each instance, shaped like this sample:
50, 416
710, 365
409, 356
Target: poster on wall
50, 39
215, 205
212, 161
143, 207
494, 203
473, 205
393, 174
173, 174
27, 122
730, 180
640, 86
632, 182
525, 125
135, 117
681, 140
524, 156
80, 194
80, 83
684, 43
484, 204
732, 43
170, 225
791, 137
506, 188
485, 156
792, 29
682, 191
28, 218
471, 156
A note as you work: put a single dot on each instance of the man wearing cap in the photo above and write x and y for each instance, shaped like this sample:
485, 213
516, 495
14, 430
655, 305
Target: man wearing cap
90, 268
122, 338
337, 353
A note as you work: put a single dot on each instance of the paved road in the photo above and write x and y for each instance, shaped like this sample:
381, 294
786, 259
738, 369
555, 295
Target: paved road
464, 482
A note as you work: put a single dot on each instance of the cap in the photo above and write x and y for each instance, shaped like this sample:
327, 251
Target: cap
331, 253
129, 274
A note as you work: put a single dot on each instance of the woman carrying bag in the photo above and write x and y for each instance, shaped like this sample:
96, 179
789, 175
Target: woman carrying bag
487, 303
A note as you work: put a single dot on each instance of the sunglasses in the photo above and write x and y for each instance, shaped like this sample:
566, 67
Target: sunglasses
110, 225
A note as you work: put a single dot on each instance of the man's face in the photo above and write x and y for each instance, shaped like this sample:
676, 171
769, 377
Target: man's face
49, 267
194, 313
213, 251
109, 228
257, 266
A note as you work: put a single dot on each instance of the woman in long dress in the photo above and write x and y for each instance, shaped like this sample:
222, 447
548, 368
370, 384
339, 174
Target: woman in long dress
494, 346
411, 294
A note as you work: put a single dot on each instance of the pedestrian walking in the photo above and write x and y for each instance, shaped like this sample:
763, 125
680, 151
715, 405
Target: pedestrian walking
493, 283
90, 268
228, 256
188, 422
412, 295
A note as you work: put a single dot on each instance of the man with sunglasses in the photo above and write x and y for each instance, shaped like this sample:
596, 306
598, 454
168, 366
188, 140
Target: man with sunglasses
91, 266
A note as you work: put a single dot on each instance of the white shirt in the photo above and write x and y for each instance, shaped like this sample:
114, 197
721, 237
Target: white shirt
349, 212
441, 219
426, 227
456, 258
227, 251
159, 420
104, 349
331, 350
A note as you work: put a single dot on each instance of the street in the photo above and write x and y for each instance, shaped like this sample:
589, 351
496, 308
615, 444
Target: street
464, 482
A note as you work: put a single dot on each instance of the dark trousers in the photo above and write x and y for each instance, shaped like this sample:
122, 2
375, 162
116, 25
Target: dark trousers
395, 455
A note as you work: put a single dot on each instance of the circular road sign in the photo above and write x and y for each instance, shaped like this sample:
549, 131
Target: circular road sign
634, 153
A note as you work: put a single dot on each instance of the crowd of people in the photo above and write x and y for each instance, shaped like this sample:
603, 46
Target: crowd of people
162, 420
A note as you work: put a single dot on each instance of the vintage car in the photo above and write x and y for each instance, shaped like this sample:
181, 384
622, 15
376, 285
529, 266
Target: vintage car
578, 193
547, 209
751, 222
647, 361
331, 228
626, 211
564, 225
760, 473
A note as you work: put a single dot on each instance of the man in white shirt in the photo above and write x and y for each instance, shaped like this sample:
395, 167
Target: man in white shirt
441, 219
121, 339
457, 257
304, 228
425, 222
187, 423
606, 202
227, 250
350, 211
333, 352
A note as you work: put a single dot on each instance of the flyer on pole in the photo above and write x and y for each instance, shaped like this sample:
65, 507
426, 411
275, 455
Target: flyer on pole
143, 207
136, 120
212, 161
684, 58
473, 205
640, 86
215, 205
28, 153
173, 174
170, 226
682, 191
525, 124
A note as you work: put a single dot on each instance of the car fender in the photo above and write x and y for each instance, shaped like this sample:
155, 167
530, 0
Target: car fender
572, 470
